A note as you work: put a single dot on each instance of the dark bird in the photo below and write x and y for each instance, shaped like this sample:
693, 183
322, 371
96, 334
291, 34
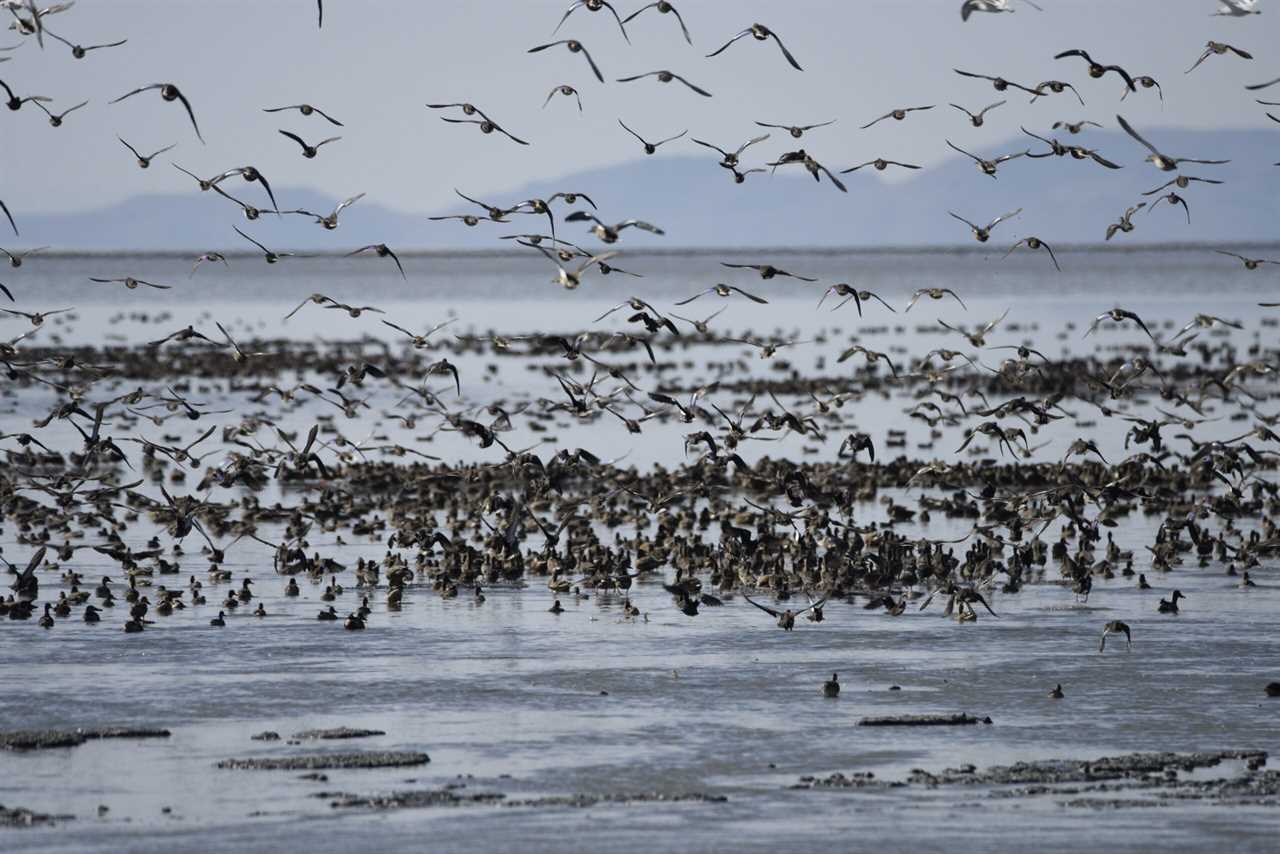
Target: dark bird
1097, 69
168, 92
976, 119
308, 151
999, 83
786, 617
988, 167
81, 51
594, 6
1035, 243
664, 7
565, 90
665, 76
652, 147
897, 115
306, 110
1213, 48
760, 33
55, 119
574, 46
383, 251
1162, 161
144, 161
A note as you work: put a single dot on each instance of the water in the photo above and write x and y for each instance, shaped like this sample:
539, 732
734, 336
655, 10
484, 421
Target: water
507, 697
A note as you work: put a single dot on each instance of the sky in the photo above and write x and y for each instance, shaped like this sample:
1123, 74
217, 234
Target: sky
375, 64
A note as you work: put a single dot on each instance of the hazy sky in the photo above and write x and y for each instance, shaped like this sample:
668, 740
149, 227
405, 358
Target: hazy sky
375, 64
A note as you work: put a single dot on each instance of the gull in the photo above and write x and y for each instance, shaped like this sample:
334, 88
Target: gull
651, 147
897, 115
131, 283
570, 280
872, 356
983, 234
168, 92
306, 110
1125, 224
16, 258
722, 290
309, 151
1074, 128
796, 131
145, 161
786, 617
999, 83
971, 6
766, 271
1161, 161
208, 256
272, 257
1237, 8
760, 33
849, 292
9, 216
814, 168
1056, 87
55, 119
977, 338
935, 294
383, 251
880, 165
13, 102
664, 7
419, 341
1172, 199
1115, 627
574, 46
81, 51
665, 76
976, 119
1118, 315
37, 318
1097, 69
330, 221
1182, 182
610, 233
988, 167
1218, 48
593, 6
566, 90
729, 160
1035, 243
1249, 263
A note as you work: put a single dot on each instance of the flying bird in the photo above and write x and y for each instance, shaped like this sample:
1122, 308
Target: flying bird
664, 7
666, 77
652, 147
1213, 48
760, 33
1162, 161
168, 92
574, 46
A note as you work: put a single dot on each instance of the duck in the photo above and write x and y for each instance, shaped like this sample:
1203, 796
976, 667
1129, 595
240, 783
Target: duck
831, 688
291, 589
330, 614
260, 611
91, 614
46, 621
1056, 693
1170, 605
353, 623
220, 621
1142, 581
1246, 581
556, 607
133, 626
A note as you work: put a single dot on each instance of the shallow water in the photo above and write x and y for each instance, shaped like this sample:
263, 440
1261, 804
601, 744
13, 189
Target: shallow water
508, 698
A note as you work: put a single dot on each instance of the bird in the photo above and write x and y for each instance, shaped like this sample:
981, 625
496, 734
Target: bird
831, 688
81, 51
272, 257
1055, 87
1237, 8
1181, 182
722, 290
1056, 693
1125, 224
1172, 199
760, 33
610, 233
1035, 243
976, 119
988, 167
968, 7
796, 131
1213, 48
17, 258
812, 166
983, 233
652, 147
1097, 69
730, 159
665, 8
593, 6
1115, 627
786, 618
766, 271
572, 279
55, 119
1118, 315
1249, 263
309, 151
935, 294
1000, 84
574, 46
131, 283
13, 102
1170, 605
330, 220
306, 110
897, 114
1074, 128
566, 90
851, 293
880, 164
382, 251
169, 92
1162, 161
665, 76
9, 216
144, 161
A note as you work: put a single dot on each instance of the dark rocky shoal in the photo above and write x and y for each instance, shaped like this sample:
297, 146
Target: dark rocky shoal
326, 761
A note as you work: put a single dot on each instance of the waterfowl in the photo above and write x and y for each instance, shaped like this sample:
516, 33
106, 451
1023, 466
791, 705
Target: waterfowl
91, 614
786, 618
977, 119
144, 161
664, 7
168, 92
306, 110
983, 233
665, 76
353, 623
46, 621
1162, 161
219, 621
556, 607
760, 33
897, 114
309, 151
1056, 693
1213, 48
260, 611
1115, 627
330, 614
652, 147
133, 626
565, 90
291, 589
574, 46
831, 688
1170, 605
797, 131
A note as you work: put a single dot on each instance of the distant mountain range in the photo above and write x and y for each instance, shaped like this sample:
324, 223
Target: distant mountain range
698, 205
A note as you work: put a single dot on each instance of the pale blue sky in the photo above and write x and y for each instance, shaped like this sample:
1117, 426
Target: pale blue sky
375, 64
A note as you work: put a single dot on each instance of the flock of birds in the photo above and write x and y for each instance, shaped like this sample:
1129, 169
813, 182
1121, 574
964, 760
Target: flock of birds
784, 527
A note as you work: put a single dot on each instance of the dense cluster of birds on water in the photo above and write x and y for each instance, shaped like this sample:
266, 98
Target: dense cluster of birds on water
712, 529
